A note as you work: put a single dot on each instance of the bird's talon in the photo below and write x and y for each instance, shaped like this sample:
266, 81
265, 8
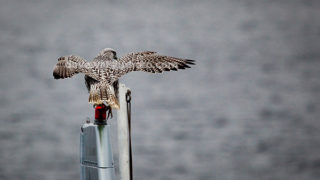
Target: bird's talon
109, 110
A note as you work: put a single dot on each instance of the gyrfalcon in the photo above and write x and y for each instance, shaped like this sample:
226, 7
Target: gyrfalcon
102, 73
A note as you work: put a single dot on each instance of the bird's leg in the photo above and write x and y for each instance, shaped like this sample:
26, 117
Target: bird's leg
109, 111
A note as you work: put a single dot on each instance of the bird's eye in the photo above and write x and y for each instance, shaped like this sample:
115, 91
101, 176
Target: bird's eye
114, 54
61, 58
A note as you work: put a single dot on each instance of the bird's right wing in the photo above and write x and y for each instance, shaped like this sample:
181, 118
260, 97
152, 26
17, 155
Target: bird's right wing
149, 61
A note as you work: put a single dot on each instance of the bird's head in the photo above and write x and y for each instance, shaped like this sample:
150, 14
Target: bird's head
108, 53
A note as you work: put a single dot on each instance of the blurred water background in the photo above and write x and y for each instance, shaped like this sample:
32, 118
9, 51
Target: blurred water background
249, 109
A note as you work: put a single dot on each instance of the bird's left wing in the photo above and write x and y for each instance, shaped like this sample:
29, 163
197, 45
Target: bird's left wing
67, 66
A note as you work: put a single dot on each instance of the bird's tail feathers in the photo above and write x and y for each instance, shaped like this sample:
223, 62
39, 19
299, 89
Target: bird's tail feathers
100, 94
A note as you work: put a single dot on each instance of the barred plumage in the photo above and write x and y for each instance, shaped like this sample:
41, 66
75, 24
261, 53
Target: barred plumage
103, 72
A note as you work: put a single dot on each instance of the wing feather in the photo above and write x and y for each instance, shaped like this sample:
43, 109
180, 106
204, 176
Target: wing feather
67, 66
149, 61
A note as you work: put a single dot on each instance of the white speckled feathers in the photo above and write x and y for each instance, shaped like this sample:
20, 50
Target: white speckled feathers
105, 69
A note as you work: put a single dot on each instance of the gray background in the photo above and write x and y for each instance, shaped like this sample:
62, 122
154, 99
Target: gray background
249, 109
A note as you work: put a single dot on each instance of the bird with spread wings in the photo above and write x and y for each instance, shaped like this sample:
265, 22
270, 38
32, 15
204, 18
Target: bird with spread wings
103, 72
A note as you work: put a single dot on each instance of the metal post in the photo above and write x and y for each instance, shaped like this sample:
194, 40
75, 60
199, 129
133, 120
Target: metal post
95, 147
124, 142
96, 152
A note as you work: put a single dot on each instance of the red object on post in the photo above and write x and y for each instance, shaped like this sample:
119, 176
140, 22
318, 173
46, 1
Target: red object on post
100, 112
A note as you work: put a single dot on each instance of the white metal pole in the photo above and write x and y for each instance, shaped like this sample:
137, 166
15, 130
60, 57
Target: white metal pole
123, 134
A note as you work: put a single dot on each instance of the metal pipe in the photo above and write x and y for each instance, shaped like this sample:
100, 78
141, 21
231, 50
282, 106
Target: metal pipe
95, 150
95, 147
124, 142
